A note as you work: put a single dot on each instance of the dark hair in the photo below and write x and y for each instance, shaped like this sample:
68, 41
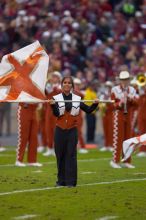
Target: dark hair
68, 77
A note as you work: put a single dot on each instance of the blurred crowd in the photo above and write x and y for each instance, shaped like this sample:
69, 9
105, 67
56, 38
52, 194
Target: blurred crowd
84, 38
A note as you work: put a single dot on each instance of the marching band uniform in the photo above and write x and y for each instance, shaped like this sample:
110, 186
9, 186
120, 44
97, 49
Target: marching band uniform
106, 114
81, 141
27, 134
142, 120
108, 127
66, 135
134, 114
50, 123
130, 145
77, 83
50, 119
124, 99
42, 134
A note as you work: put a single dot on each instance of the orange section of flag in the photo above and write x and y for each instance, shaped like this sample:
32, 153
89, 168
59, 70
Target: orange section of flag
19, 78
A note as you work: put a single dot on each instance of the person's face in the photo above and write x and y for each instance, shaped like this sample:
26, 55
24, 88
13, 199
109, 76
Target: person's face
55, 79
67, 85
125, 82
77, 86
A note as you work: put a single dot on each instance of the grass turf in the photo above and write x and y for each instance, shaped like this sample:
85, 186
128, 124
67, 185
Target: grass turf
100, 194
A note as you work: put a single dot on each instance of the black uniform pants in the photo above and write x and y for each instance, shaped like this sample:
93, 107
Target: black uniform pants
65, 141
91, 127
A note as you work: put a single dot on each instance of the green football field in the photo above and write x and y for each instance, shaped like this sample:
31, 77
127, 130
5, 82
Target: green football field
102, 193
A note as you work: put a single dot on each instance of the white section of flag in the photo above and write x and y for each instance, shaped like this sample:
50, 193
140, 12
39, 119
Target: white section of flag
38, 76
131, 144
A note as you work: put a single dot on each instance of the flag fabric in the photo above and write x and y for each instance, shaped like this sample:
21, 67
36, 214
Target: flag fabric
131, 144
23, 74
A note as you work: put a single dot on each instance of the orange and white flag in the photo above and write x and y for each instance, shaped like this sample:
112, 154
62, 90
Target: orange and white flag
131, 144
23, 74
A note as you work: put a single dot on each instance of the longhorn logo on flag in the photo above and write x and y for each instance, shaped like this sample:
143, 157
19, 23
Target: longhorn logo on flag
23, 74
131, 144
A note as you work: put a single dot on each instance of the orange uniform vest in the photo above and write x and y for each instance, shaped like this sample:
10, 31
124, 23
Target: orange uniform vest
68, 120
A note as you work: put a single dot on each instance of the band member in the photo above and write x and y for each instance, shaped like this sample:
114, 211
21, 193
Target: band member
142, 118
42, 134
27, 134
125, 97
66, 135
130, 145
77, 91
134, 110
53, 88
106, 111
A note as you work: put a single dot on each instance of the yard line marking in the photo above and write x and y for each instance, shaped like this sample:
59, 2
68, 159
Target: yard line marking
92, 160
10, 148
54, 162
112, 182
107, 218
139, 173
6, 155
88, 172
24, 217
81, 185
37, 171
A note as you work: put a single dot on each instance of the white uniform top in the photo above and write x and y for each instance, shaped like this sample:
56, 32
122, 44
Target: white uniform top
119, 93
75, 105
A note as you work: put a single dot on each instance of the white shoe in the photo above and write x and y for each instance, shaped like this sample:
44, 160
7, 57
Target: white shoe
115, 165
103, 149
128, 165
2, 149
83, 151
111, 149
141, 154
35, 164
20, 164
40, 149
49, 152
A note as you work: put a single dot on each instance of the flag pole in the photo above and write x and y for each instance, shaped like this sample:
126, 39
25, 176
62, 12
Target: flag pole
99, 101
47, 101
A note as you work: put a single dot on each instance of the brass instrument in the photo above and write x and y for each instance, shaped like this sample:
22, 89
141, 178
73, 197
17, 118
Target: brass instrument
102, 108
141, 79
125, 101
